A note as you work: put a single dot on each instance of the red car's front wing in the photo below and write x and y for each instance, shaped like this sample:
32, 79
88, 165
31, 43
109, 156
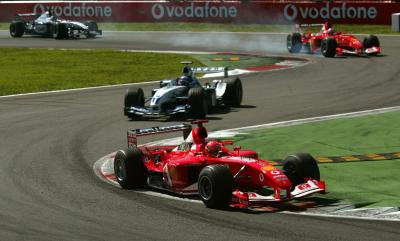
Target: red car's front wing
369, 51
248, 199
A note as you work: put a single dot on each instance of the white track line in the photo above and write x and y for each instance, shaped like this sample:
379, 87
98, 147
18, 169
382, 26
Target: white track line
319, 118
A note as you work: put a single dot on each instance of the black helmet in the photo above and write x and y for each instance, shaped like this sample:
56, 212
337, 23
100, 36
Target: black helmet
186, 71
184, 80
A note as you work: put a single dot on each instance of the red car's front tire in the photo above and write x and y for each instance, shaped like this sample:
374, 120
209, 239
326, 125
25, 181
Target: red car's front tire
216, 186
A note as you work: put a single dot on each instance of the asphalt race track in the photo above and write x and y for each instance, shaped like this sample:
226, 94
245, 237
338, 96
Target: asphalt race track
49, 143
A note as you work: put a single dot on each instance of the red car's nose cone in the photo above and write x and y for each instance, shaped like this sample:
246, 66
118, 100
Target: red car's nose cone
278, 178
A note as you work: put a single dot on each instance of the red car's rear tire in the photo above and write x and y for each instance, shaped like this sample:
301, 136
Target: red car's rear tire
129, 168
293, 43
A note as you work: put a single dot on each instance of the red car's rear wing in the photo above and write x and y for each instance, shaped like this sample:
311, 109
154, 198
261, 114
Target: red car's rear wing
298, 27
133, 134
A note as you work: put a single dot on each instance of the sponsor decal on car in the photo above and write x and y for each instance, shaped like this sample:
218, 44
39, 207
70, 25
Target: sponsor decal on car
243, 159
268, 168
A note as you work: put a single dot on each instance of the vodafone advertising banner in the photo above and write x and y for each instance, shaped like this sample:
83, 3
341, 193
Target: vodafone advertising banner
224, 12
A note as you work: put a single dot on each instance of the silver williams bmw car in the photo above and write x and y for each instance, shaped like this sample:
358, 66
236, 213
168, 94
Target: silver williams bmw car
185, 95
49, 25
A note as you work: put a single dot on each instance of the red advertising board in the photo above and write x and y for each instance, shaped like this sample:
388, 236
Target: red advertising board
222, 12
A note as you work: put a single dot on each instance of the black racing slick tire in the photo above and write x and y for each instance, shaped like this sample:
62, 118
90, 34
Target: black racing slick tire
215, 186
298, 167
133, 97
371, 41
293, 43
328, 47
233, 93
129, 168
17, 29
50, 29
93, 28
60, 31
197, 101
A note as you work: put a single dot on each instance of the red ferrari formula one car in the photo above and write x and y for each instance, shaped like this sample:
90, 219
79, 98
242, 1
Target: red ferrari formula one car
220, 176
331, 43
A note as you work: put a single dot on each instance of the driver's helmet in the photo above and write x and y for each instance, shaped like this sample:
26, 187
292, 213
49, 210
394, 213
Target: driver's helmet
187, 71
213, 148
184, 81
327, 28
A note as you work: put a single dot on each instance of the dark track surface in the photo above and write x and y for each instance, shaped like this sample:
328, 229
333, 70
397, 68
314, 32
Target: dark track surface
49, 143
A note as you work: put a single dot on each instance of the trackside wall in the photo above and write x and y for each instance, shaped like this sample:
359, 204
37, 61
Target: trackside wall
221, 12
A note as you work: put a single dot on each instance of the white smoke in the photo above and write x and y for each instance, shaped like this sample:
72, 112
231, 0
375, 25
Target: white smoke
200, 41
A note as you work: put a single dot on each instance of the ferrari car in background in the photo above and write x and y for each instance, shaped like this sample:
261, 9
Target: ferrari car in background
49, 25
185, 95
206, 168
331, 43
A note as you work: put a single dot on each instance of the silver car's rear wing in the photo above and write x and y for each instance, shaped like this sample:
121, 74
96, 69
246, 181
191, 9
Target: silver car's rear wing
209, 70
20, 16
133, 134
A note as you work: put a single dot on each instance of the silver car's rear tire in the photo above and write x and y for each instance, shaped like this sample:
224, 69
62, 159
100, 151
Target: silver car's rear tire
234, 93
17, 29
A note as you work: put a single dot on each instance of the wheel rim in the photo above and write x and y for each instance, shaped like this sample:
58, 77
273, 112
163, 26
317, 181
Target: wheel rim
12, 29
323, 48
55, 31
291, 173
290, 169
289, 43
120, 170
205, 188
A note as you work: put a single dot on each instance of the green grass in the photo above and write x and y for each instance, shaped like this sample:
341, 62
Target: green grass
32, 70
364, 183
218, 27
376, 183
4, 26
358, 135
